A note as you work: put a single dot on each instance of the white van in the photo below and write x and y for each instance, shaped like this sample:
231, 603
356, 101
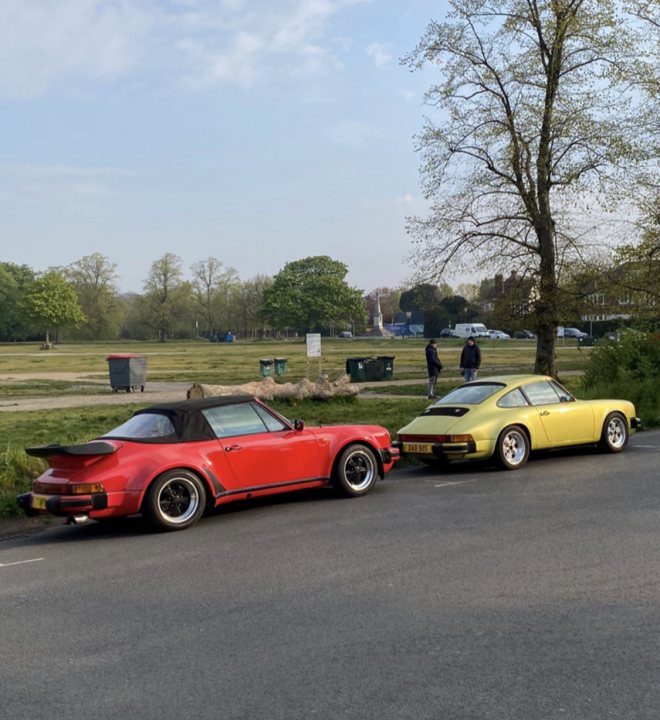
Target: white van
465, 330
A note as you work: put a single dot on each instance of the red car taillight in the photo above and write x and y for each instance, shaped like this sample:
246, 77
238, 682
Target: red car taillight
67, 488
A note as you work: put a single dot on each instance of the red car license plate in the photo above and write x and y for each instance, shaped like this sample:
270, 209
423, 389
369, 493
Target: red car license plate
39, 502
420, 448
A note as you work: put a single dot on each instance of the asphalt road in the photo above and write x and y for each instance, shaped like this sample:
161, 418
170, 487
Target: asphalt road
470, 594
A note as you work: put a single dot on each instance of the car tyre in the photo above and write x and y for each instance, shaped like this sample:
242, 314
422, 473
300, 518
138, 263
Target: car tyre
614, 437
512, 449
175, 500
356, 471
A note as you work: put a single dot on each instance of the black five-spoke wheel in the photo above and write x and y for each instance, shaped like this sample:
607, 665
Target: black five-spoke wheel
356, 470
175, 500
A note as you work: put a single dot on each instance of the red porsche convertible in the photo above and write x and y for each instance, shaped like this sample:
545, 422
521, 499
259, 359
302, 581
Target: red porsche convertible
169, 462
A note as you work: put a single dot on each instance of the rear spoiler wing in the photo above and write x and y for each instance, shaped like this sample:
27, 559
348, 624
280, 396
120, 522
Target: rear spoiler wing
98, 447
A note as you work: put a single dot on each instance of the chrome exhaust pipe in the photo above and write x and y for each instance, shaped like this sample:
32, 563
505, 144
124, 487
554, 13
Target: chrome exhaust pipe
77, 519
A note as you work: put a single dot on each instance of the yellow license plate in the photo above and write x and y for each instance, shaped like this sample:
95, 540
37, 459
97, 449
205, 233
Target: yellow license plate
39, 502
420, 448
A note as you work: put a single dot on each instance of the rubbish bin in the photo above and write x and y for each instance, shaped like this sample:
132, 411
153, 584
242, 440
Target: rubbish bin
387, 366
266, 367
373, 368
280, 366
127, 372
355, 367
586, 341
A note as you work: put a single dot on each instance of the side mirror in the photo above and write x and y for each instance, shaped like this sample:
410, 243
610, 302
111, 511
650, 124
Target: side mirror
298, 425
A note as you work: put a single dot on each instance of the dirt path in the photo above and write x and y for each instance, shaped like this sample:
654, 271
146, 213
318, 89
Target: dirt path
154, 392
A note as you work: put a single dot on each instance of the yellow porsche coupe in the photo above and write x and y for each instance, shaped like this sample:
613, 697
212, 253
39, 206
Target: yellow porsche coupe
506, 417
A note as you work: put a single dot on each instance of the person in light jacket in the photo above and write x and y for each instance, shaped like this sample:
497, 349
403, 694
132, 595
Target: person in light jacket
470, 359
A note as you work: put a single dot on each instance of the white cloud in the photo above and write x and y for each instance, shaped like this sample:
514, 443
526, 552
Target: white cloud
63, 185
406, 95
380, 54
238, 64
352, 133
408, 203
48, 44
42, 42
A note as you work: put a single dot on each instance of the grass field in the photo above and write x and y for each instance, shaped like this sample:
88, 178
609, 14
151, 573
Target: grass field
228, 363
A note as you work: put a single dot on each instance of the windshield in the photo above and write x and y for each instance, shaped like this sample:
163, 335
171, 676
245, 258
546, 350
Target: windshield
472, 394
144, 426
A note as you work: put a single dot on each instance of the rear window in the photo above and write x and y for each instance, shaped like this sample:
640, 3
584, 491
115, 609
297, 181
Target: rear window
144, 426
471, 394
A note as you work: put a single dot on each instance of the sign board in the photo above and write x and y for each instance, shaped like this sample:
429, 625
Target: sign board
313, 344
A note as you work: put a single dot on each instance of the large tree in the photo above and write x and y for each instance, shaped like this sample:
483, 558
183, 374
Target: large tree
51, 303
167, 297
635, 276
247, 303
15, 280
213, 287
95, 280
312, 293
542, 104
424, 297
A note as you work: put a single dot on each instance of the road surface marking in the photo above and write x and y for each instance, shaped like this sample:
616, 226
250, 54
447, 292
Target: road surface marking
20, 562
459, 482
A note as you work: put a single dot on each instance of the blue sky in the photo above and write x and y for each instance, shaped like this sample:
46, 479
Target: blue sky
255, 131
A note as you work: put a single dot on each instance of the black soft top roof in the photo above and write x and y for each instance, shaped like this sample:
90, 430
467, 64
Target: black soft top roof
187, 418
186, 406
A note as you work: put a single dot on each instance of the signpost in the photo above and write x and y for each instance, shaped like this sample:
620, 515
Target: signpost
313, 341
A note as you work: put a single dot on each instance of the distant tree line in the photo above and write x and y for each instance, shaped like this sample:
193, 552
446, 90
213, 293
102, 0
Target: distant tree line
81, 301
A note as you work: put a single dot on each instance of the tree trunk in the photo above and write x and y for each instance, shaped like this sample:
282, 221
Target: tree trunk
546, 307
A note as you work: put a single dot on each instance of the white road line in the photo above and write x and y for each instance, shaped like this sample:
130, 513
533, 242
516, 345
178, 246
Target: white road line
20, 562
460, 482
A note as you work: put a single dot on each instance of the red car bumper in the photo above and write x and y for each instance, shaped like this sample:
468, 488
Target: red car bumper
61, 505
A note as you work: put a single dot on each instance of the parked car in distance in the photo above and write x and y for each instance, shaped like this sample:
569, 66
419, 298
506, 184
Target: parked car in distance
571, 332
498, 335
345, 334
447, 333
170, 462
524, 335
505, 417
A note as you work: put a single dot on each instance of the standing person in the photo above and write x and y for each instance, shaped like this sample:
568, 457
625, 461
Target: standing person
433, 365
470, 359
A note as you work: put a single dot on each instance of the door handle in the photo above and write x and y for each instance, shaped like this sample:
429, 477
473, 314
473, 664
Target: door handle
545, 412
232, 448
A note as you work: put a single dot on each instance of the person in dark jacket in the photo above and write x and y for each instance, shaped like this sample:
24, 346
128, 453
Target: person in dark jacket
470, 359
433, 365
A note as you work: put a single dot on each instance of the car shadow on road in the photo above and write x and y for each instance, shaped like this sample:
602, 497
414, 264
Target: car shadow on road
464, 467
135, 526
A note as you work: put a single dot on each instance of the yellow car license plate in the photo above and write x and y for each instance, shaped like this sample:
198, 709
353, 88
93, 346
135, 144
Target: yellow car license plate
420, 448
39, 502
